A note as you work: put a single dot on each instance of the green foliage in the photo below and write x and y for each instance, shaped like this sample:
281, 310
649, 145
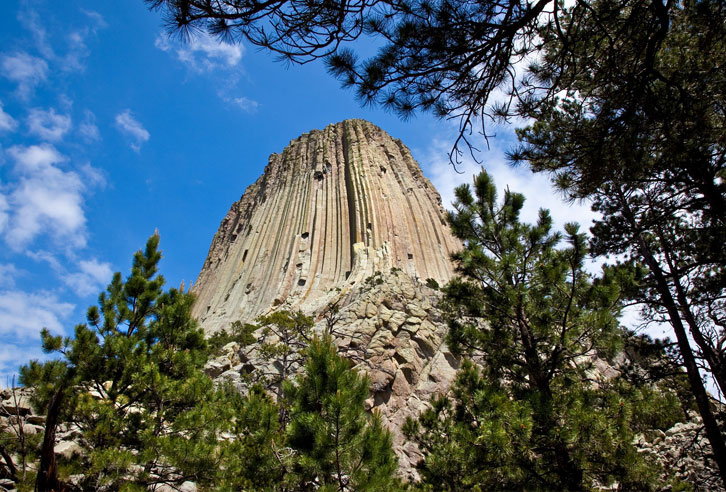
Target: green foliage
432, 283
375, 279
133, 385
240, 333
338, 446
282, 348
536, 415
640, 132
255, 456
330, 442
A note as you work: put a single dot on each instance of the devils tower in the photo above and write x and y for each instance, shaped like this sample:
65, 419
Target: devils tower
333, 208
343, 215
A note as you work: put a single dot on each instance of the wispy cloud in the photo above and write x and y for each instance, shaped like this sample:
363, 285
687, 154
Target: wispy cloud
77, 52
215, 59
8, 273
88, 129
74, 39
12, 356
25, 70
4, 208
30, 20
7, 122
45, 199
132, 128
245, 104
47, 124
97, 20
203, 53
91, 277
536, 188
23, 314
84, 278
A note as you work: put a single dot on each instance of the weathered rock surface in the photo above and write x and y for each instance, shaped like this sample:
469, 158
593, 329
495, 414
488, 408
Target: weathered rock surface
391, 329
335, 207
343, 215
684, 451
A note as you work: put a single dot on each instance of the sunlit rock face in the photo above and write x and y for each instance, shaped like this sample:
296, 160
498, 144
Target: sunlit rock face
336, 206
344, 215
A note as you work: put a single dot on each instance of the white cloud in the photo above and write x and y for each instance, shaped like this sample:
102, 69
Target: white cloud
96, 19
92, 277
245, 104
88, 129
8, 272
89, 277
7, 122
75, 40
48, 125
13, 356
26, 70
132, 128
47, 257
4, 207
203, 53
536, 188
77, 51
23, 314
31, 21
46, 200
93, 177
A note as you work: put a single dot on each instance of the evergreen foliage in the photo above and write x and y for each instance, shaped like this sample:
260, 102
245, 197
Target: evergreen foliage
241, 333
453, 58
254, 456
130, 382
536, 415
338, 446
330, 443
642, 135
628, 102
283, 340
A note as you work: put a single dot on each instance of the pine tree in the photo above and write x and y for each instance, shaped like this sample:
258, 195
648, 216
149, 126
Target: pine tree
535, 415
284, 337
337, 446
644, 141
253, 455
130, 381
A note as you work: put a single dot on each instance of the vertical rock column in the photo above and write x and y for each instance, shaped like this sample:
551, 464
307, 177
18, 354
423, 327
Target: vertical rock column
335, 207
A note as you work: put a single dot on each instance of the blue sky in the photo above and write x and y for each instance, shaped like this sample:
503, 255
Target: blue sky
110, 130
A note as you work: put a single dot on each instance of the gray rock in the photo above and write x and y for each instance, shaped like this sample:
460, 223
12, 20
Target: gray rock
67, 449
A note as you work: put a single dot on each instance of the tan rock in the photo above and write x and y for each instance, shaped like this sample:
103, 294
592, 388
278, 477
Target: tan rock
337, 206
341, 215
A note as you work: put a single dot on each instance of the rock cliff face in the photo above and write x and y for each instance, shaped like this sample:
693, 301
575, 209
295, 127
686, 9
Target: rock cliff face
345, 216
335, 207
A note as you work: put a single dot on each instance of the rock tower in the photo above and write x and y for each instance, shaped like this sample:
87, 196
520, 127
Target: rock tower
344, 215
335, 207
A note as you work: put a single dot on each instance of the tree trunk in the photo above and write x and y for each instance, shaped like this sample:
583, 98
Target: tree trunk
713, 432
12, 470
47, 479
